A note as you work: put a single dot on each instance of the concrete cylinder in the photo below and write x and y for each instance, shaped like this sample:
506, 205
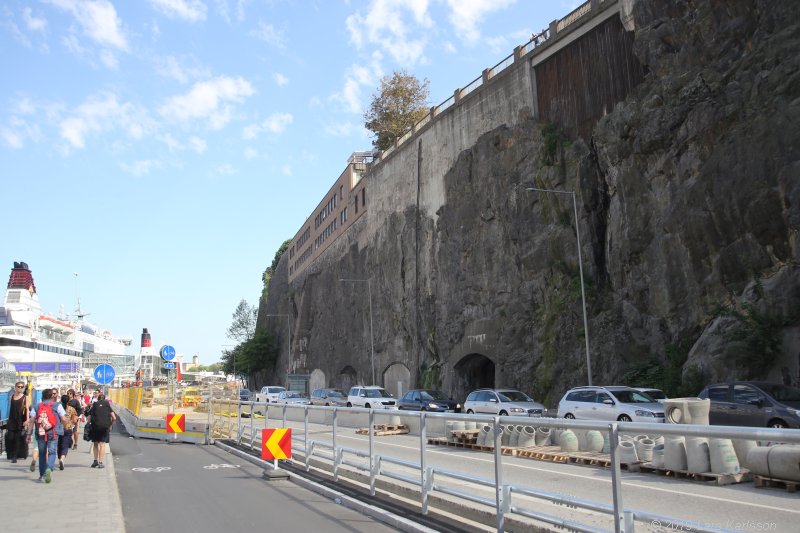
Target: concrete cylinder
742, 447
675, 453
580, 434
777, 462
527, 437
723, 456
644, 449
657, 460
568, 440
449, 428
485, 437
470, 425
698, 460
507, 431
513, 440
543, 436
627, 452
594, 441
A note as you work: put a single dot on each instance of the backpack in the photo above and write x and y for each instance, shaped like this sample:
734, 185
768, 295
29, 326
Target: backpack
101, 415
72, 417
46, 421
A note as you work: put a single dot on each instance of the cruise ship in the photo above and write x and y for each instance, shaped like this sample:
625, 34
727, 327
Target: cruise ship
54, 350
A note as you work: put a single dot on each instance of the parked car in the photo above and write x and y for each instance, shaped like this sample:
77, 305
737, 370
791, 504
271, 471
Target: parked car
371, 397
753, 403
244, 395
269, 393
328, 397
291, 397
428, 400
610, 403
656, 394
502, 402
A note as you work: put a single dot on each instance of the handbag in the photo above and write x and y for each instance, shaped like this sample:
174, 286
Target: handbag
87, 430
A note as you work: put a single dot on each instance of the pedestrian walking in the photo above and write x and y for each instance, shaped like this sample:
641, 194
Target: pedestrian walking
16, 436
49, 417
77, 404
65, 439
101, 418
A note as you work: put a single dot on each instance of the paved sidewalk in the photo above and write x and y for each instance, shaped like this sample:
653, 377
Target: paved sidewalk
88, 496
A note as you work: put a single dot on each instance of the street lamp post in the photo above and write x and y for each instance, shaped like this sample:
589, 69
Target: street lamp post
288, 338
580, 269
371, 338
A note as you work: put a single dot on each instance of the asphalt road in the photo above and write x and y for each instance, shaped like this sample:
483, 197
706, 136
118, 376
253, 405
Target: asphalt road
185, 487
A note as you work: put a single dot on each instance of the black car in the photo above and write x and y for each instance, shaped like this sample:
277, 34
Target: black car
753, 403
244, 395
428, 400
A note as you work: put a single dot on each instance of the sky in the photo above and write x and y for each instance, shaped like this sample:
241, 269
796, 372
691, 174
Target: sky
154, 154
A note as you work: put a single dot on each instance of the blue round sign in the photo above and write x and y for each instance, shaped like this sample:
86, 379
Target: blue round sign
167, 352
104, 374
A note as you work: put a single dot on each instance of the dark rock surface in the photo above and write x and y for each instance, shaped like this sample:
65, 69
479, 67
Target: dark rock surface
689, 211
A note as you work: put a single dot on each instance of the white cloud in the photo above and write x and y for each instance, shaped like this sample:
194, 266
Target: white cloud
385, 25
18, 132
224, 170
250, 153
286, 170
32, 22
179, 70
98, 19
140, 168
108, 58
280, 79
340, 129
449, 47
198, 145
188, 10
103, 113
208, 100
356, 77
268, 34
465, 15
275, 124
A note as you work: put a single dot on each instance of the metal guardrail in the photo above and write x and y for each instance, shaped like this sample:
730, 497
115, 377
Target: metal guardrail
431, 480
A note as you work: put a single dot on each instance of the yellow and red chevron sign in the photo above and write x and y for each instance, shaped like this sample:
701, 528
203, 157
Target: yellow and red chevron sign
276, 444
176, 423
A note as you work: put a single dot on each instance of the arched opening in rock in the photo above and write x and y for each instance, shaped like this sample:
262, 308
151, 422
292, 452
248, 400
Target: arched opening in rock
473, 371
348, 377
397, 379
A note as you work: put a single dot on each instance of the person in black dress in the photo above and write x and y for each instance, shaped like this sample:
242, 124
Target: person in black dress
17, 421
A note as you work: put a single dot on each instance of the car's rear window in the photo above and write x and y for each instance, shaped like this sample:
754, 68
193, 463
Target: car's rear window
782, 393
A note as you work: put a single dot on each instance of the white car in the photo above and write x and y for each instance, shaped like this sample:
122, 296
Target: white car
269, 394
371, 397
292, 397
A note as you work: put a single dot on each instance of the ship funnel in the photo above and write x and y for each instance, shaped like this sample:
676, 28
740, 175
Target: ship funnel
146, 341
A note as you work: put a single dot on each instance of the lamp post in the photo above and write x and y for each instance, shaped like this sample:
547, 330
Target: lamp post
371, 338
580, 268
288, 338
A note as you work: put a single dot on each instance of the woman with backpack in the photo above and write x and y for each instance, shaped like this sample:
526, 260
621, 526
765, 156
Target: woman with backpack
101, 418
49, 419
65, 439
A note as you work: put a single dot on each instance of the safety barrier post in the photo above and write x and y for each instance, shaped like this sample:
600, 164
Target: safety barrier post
336, 456
423, 469
498, 475
305, 437
239, 427
371, 428
616, 474
209, 434
252, 416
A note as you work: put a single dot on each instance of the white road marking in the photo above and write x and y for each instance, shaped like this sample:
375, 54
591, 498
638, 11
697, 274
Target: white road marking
156, 469
224, 465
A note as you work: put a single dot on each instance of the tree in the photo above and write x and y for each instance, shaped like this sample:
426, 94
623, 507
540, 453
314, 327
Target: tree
243, 326
401, 102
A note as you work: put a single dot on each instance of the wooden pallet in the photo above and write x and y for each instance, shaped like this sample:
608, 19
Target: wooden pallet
763, 481
381, 430
707, 477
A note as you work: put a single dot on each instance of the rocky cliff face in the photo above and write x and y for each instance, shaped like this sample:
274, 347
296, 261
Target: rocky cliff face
688, 199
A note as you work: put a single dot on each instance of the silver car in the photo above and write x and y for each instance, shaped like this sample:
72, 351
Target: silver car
623, 404
502, 402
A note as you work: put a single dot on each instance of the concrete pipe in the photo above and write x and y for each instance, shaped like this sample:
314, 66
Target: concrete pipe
594, 441
723, 456
698, 459
627, 452
527, 438
657, 460
644, 449
485, 436
687, 411
778, 462
543, 436
449, 428
513, 440
568, 440
742, 448
470, 425
675, 453
506, 438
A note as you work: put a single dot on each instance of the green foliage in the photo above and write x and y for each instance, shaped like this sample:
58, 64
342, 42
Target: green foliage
214, 367
257, 354
267, 276
667, 373
550, 138
401, 102
283, 247
756, 337
431, 377
244, 322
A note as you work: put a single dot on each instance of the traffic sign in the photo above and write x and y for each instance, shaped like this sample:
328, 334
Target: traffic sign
167, 352
276, 444
176, 423
169, 365
104, 374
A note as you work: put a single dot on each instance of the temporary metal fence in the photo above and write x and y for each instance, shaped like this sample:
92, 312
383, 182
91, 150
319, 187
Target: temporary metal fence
431, 480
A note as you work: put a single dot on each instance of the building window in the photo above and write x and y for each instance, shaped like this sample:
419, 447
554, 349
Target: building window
341, 192
363, 197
